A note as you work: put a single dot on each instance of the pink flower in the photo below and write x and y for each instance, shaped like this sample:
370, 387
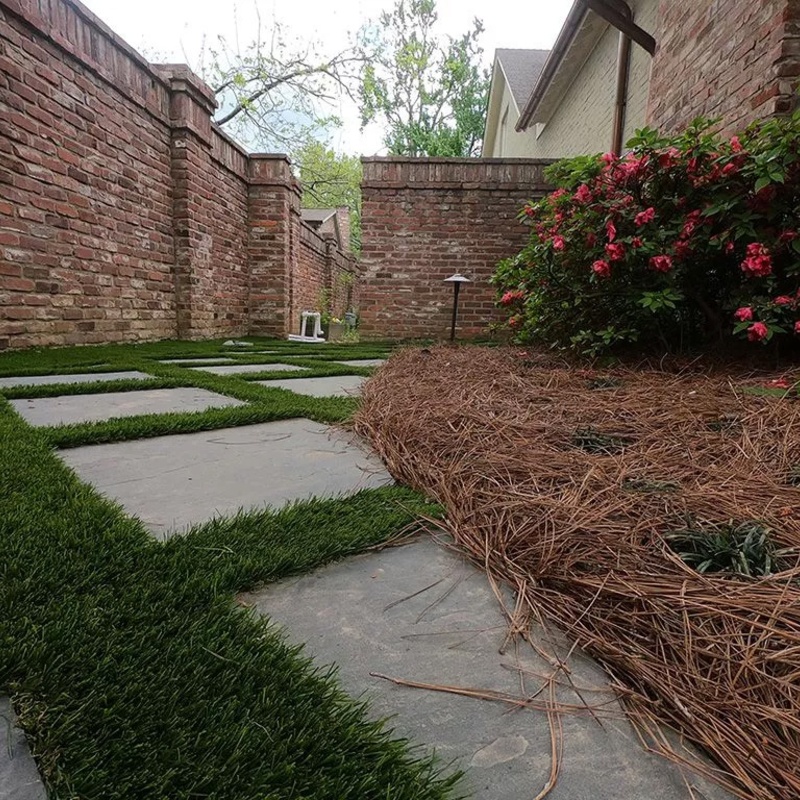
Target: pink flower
736, 145
743, 314
729, 247
529, 212
669, 157
778, 383
692, 222
783, 300
511, 297
591, 239
757, 332
797, 327
729, 169
615, 252
608, 158
758, 263
643, 217
558, 243
611, 230
682, 248
787, 236
558, 193
584, 194
661, 263
636, 242
602, 269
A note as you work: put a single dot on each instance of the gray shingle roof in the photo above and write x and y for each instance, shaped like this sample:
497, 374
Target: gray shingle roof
522, 69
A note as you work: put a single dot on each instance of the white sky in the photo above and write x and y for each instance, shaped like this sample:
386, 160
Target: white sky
174, 29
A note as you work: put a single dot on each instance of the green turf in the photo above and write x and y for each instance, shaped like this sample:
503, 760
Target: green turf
264, 403
135, 675
133, 672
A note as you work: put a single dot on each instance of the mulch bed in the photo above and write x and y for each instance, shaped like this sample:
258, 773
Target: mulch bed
564, 482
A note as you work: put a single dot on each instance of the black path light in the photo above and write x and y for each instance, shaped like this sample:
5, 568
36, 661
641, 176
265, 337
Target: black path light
456, 280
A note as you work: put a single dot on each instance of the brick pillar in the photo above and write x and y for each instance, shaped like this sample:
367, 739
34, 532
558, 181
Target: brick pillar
274, 202
192, 106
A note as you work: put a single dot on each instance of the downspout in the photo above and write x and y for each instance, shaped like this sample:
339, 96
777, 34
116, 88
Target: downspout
623, 71
621, 102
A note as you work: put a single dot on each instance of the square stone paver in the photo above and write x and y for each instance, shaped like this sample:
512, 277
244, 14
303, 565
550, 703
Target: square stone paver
84, 377
68, 409
210, 361
363, 362
335, 386
19, 778
234, 369
171, 482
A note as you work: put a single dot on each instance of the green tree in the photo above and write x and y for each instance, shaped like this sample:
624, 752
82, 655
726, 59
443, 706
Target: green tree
276, 92
430, 91
330, 181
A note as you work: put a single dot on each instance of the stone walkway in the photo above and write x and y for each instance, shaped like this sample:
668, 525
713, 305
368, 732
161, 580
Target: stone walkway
422, 613
418, 612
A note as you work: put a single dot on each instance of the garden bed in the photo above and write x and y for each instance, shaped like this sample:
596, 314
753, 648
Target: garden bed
581, 488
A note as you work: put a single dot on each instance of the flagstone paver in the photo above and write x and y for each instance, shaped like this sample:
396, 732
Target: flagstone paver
84, 377
19, 778
333, 386
210, 361
234, 369
422, 613
69, 409
171, 482
363, 362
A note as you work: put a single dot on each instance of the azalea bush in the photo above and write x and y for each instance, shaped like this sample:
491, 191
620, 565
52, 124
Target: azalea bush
680, 243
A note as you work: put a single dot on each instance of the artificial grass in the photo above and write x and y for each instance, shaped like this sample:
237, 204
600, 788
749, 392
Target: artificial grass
265, 403
134, 674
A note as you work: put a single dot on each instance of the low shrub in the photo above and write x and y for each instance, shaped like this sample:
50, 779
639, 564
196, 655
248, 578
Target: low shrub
678, 244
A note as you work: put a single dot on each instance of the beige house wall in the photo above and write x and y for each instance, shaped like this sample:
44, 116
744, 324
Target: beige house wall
508, 142
583, 120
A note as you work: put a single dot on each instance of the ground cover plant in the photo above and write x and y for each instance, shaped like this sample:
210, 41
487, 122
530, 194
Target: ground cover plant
132, 671
651, 513
681, 243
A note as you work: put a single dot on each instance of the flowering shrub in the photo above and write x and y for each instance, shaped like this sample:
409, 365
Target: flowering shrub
681, 242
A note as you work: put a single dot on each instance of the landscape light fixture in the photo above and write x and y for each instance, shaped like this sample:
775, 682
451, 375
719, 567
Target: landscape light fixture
456, 280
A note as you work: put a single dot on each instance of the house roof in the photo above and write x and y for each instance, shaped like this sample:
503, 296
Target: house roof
521, 69
316, 216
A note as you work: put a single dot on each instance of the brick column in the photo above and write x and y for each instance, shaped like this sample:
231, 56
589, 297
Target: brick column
192, 106
274, 201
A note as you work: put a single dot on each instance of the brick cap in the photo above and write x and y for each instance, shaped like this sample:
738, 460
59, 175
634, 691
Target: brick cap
180, 77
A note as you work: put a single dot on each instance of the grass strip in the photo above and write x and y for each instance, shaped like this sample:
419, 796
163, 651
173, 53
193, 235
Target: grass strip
97, 387
134, 674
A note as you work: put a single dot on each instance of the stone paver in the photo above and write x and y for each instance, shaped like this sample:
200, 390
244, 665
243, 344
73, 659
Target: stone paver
235, 369
363, 614
19, 778
171, 482
210, 361
69, 409
334, 386
87, 377
363, 362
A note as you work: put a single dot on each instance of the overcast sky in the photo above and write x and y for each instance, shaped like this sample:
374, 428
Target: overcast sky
174, 29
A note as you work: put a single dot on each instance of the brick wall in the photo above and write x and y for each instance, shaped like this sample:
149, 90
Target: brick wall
125, 214
425, 219
737, 59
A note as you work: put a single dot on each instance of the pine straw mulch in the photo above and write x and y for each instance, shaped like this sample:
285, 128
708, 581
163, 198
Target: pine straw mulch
509, 446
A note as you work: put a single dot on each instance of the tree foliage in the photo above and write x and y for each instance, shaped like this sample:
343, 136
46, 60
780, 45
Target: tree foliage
429, 91
330, 181
275, 92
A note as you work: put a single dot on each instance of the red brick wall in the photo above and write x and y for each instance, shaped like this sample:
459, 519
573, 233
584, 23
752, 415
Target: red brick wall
79, 261
738, 60
125, 214
425, 219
